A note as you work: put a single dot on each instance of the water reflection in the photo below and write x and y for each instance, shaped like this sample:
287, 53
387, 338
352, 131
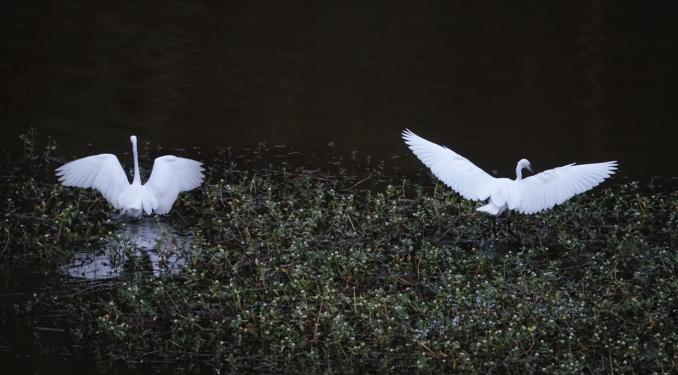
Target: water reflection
151, 244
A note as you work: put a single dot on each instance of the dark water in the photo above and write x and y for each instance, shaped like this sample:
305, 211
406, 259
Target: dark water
553, 81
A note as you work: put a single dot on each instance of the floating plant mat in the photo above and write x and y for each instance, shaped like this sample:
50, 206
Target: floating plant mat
328, 269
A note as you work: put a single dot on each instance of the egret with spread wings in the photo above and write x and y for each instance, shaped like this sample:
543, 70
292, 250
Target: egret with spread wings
170, 176
526, 195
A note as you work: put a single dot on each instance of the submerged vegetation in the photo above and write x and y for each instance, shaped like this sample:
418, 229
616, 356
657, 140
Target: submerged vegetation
293, 269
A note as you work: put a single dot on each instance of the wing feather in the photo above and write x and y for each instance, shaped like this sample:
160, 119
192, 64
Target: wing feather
453, 169
554, 186
102, 172
170, 176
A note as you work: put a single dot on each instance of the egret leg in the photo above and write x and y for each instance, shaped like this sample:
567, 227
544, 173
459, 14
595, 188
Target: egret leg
508, 221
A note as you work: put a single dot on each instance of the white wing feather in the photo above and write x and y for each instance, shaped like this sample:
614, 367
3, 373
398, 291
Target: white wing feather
101, 172
554, 186
453, 169
170, 176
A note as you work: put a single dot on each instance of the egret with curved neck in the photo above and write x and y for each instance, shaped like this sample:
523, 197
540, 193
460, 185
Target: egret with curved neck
528, 195
170, 176
522, 164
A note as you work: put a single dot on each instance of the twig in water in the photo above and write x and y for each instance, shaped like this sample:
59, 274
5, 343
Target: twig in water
361, 181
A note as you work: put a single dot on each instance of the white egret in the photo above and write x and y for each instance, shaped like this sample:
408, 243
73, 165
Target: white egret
170, 176
526, 195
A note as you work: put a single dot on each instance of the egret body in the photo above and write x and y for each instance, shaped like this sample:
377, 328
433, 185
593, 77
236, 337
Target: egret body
170, 176
528, 195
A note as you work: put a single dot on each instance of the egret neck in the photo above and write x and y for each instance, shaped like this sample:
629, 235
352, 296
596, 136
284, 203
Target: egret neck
523, 163
137, 175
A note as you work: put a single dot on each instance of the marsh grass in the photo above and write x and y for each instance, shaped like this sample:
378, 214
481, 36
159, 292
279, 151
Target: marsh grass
341, 267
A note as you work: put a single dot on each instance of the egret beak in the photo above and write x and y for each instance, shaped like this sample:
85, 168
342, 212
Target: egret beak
529, 168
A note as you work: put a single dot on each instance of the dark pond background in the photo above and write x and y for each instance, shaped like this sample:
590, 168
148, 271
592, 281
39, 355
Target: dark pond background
552, 81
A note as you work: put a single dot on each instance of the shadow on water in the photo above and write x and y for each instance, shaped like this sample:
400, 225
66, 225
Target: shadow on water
148, 244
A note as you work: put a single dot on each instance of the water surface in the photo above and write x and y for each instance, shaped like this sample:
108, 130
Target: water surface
497, 81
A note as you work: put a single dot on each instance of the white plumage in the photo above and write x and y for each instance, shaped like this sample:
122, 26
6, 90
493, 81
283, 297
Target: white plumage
170, 176
530, 195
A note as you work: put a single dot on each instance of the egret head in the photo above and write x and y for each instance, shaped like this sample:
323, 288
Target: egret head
133, 139
524, 163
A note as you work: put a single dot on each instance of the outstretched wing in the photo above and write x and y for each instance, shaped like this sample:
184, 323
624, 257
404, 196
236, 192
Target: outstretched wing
101, 172
554, 186
451, 168
170, 176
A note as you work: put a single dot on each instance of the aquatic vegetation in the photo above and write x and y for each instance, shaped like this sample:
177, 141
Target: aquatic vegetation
325, 269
